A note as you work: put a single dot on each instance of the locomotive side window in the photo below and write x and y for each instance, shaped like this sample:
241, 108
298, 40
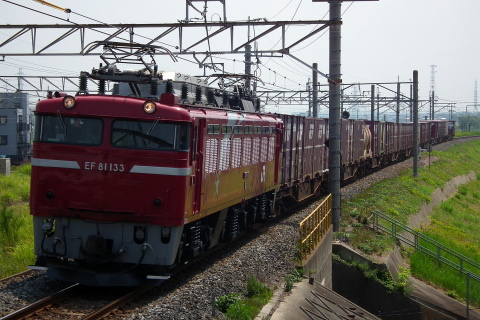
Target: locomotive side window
69, 130
238, 129
150, 135
227, 129
213, 129
258, 130
248, 130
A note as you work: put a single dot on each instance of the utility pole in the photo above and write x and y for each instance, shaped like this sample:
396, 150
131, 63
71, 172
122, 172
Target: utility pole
415, 123
315, 91
397, 120
335, 123
432, 92
248, 67
378, 106
372, 103
411, 103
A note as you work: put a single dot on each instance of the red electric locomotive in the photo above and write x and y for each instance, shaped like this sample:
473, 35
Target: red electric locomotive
124, 188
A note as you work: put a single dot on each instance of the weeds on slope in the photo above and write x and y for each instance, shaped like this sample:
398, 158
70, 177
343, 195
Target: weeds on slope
453, 223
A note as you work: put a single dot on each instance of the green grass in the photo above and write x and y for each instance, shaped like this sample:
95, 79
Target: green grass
248, 307
453, 223
467, 133
16, 239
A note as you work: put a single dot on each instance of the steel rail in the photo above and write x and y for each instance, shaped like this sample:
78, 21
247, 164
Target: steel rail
41, 304
98, 314
18, 275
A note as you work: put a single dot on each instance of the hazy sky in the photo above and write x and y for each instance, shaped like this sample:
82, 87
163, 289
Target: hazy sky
382, 41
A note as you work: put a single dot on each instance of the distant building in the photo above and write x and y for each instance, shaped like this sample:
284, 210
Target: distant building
15, 127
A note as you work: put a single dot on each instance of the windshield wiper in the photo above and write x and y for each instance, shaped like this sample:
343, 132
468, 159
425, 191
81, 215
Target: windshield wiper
152, 127
62, 122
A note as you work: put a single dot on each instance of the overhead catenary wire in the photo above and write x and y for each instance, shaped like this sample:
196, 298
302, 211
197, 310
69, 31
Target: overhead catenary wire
286, 66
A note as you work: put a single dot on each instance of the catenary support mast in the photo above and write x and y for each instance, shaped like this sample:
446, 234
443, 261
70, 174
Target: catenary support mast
315, 91
335, 124
335, 80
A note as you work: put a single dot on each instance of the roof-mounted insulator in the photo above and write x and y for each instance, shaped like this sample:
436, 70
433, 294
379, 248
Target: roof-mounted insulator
198, 95
83, 83
257, 104
236, 102
225, 99
154, 87
184, 93
101, 86
210, 97
169, 86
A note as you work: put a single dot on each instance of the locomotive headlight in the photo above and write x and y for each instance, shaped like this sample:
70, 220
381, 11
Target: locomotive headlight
149, 107
139, 234
69, 102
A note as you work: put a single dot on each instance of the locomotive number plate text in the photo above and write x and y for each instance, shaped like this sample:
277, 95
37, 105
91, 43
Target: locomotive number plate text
104, 166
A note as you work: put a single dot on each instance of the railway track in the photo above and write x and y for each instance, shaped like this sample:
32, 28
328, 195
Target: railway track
77, 302
17, 276
221, 276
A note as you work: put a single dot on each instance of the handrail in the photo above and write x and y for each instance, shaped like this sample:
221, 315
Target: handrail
402, 232
314, 227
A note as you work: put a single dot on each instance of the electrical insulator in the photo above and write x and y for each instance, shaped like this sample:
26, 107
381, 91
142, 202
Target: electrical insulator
101, 86
83, 83
184, 92
154, 87
169, 86
198, 95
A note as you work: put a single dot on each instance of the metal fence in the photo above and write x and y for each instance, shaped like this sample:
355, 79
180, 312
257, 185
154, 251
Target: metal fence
314, 227
442, 254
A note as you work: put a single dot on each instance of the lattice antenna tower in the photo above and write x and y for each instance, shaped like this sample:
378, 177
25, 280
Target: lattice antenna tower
432, 79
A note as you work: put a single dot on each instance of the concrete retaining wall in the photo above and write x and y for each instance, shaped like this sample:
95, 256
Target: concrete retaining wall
321, 262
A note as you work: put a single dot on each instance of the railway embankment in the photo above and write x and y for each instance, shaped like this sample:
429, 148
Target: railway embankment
426, 300
381, 247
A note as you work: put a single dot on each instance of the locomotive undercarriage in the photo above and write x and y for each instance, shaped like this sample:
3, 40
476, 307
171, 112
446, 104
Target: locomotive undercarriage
223, 226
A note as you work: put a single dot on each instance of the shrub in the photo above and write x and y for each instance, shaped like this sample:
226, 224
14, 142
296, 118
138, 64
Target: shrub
255, 288
295, 276
223, 303
240, 311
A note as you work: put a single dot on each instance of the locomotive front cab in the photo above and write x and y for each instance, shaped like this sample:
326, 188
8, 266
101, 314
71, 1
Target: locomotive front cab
109, 192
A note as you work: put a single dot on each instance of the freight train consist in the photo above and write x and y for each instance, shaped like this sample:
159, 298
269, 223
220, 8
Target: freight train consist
127, 186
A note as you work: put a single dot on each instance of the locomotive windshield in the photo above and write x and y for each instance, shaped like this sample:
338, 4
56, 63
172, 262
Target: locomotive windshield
133, 134
69, 130
149, 135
